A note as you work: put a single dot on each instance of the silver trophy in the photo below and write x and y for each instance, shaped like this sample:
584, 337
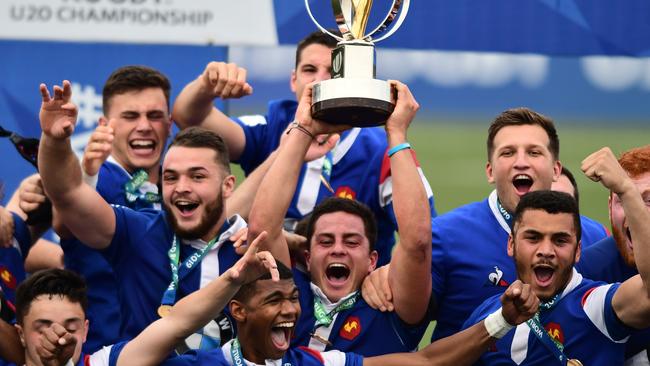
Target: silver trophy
353, 96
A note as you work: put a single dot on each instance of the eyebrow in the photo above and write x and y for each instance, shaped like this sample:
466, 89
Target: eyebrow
279, 293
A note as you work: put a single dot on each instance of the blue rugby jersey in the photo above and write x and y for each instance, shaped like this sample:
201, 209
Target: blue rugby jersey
360, 329
583, 322
360, 169
138, 256
469, 262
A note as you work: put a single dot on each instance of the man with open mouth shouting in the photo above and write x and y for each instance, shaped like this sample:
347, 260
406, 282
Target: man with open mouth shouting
157, 256
580, 321
341, 233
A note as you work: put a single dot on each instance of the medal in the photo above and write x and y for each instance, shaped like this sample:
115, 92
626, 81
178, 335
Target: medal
574, 362
163, 310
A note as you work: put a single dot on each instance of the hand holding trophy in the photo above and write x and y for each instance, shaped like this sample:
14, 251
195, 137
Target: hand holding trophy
353, 96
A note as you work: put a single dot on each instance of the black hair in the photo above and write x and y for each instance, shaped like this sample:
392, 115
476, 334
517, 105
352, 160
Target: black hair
134, 78
338, 204
197, 137
248, 290
552, 202
50, 282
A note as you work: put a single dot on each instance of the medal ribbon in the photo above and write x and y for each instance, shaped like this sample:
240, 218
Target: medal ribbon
504, 213
323, 318
132, 187
169, 297
538, 330
326, 171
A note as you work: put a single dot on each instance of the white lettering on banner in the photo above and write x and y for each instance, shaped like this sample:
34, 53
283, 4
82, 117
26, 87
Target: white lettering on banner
151, 21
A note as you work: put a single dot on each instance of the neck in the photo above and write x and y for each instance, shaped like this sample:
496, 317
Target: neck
214, 231
248, 349
153, 172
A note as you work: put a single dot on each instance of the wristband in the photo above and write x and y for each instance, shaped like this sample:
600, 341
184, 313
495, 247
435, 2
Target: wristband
496, 325
298, 126
397, 148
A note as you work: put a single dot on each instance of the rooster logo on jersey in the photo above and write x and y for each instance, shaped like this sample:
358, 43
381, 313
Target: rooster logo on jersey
495, 278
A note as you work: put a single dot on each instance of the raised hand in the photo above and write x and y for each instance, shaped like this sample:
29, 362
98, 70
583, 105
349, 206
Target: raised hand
519, 303
99, 147
58, 115
56, 346
253, 264
314, 126
225, 80
31, 193
602, 166
376, 290
405, 109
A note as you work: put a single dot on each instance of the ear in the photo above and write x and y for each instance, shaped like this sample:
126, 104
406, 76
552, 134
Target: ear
85, 330
238, 311
228, 185
374, 256
511, 246
609, 206
557, 170
488, 173
307, 257
21, 334
576, 258
292, 81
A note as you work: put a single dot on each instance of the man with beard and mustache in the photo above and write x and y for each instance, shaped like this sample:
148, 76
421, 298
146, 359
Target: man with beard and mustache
602, 261
579, 319
157, 256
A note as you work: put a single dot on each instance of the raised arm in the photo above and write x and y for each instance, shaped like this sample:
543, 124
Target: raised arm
195, 310
410, 267
194, 105
518, 304
77, 203
279, 184
631, 301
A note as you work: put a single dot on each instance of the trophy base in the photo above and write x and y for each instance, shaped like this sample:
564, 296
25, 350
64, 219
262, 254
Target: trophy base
351, 101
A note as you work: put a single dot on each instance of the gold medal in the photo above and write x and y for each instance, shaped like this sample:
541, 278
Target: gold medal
163, 310
574, 362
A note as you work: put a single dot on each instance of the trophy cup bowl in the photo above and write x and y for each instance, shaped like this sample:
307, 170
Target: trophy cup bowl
353, 96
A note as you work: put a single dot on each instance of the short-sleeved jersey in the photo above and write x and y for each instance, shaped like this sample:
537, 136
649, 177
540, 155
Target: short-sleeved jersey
583, 322
103, 297
592, 232
360, 169
469, 262
138, 256
360, 329
12, 268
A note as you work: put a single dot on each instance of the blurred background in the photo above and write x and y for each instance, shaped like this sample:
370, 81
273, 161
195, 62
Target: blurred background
582, 63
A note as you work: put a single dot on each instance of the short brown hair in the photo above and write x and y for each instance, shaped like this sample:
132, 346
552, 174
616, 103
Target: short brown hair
133, 78
636, 162
317, 37
198, 137
519, 117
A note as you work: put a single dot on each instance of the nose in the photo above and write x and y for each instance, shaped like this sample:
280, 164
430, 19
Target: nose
289, 307
323, 74
338, 248
521, 161
182, 185
143, 124
546, 249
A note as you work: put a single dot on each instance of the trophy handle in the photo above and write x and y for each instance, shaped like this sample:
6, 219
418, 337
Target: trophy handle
390, 17
347, 30
341, 8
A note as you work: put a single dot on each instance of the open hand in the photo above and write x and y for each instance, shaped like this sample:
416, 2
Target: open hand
58, 115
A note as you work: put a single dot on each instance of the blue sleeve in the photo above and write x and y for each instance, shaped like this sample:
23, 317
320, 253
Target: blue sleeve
115, 353
489, 306
22, 235
353, 359
213, 357
617, 330
130, 226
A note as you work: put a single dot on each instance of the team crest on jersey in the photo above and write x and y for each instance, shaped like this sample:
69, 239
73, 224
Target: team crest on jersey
555, 331
351, 328
345, 192
495, 278
7, 278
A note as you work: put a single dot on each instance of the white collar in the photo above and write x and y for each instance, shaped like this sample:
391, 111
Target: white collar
225, 349
236, 223
494, 207
329, 305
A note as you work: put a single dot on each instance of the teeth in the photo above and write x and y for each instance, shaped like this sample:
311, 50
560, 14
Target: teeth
142, 143
522, 176
284, 325
337, 265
